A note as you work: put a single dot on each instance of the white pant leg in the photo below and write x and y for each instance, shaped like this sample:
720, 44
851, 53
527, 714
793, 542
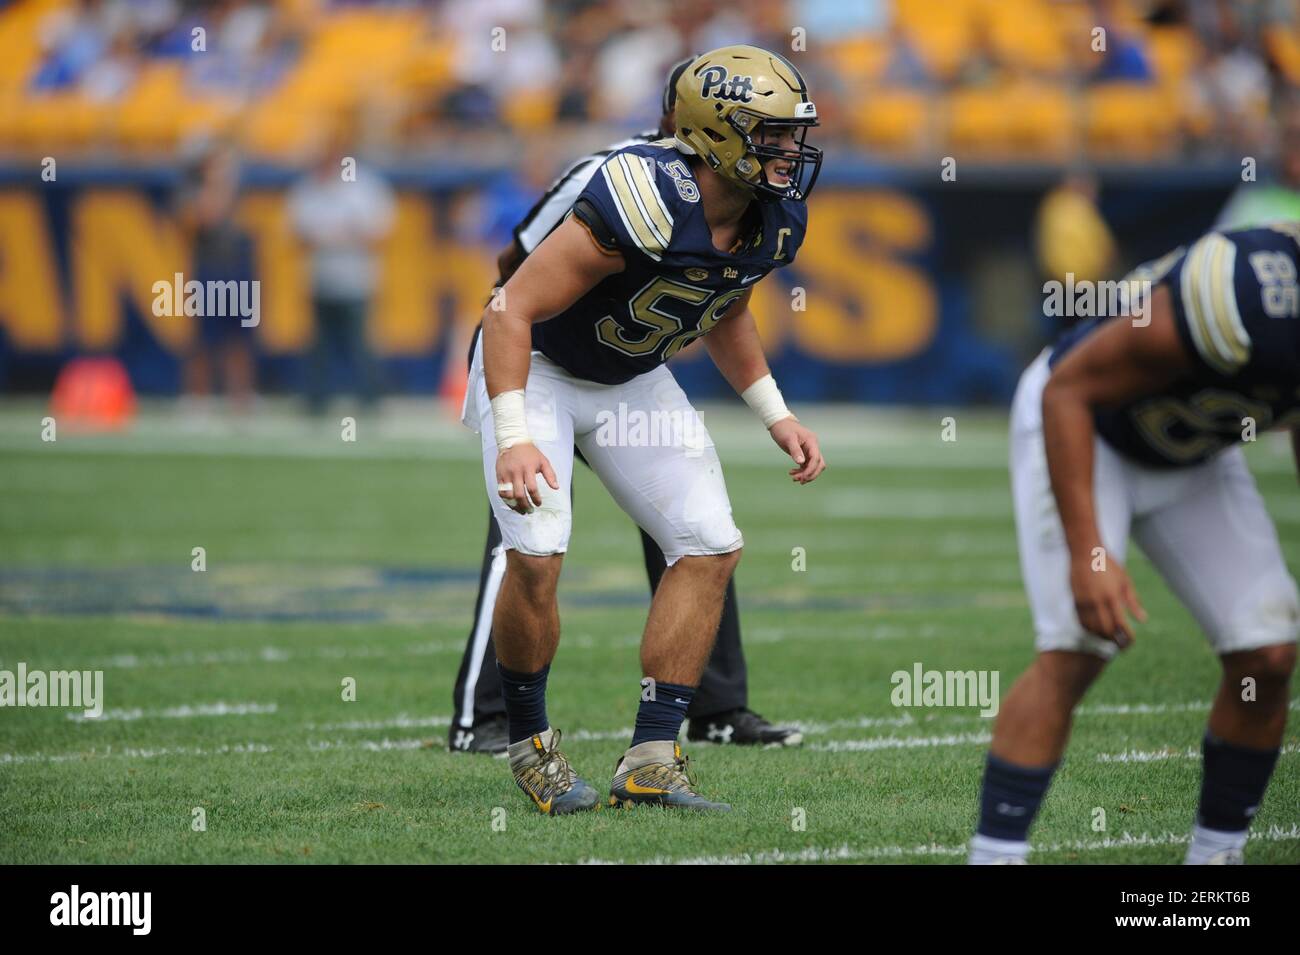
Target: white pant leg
551, 397
651, 451
1044, 554
1206, 530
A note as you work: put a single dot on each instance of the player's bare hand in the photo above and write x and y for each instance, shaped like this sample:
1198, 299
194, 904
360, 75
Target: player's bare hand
801, 444
1104, 598
517, 470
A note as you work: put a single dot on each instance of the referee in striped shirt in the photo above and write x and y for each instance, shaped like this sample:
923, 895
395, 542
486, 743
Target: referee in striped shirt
720, 711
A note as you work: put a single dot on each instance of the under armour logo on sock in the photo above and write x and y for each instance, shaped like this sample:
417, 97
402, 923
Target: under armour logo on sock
1006, 809
722, 733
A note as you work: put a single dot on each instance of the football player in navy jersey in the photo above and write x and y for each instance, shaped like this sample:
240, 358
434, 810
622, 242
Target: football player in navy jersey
1134, 427
662, 247
720, 710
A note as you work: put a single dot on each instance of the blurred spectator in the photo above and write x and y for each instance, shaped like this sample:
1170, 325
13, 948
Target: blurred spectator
1258, 203
1125, 58
506, 66
1233, 82
1265, 30
75, 39
341, 212
220, 252
1072, 235
500, 52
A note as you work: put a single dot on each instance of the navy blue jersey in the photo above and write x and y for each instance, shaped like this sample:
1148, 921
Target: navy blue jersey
1236, 305
644, 202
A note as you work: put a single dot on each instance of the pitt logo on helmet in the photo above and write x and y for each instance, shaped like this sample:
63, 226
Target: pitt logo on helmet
746, 113
716, 82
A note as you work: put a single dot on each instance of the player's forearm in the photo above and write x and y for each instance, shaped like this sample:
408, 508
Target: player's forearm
507, 347
1068, 434
509, 259
736, 350
738, 354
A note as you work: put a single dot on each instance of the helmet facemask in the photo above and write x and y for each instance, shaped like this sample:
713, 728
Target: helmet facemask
805, 161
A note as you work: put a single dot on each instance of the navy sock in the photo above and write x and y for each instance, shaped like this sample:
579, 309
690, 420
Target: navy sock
1232, 783
661, 717
525, 697
1010, 797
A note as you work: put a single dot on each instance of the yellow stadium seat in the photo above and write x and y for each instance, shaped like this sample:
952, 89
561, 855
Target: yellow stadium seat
1024, 34
943, 33
858, 59
20, 48
1130, 119
530, 110
149, 115
893, 120
62, 120
1283, 48
1010, 120
1174, 51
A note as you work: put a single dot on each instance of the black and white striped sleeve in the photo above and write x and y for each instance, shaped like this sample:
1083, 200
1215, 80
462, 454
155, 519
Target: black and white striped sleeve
550, 209
546, 214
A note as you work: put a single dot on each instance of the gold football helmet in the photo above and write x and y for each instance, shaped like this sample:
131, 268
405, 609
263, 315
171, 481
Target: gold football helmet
725, 95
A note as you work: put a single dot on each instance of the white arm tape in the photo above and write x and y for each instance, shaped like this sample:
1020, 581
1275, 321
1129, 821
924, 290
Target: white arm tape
765, 398
509, 419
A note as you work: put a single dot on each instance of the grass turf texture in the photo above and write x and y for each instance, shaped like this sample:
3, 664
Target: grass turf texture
327, 560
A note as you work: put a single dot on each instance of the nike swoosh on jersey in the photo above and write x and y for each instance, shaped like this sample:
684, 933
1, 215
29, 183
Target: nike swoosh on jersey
752, 278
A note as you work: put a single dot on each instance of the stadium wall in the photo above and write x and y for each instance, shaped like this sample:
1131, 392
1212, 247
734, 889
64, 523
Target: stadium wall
908, 288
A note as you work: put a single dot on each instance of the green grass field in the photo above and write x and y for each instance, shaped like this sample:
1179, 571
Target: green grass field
328, 560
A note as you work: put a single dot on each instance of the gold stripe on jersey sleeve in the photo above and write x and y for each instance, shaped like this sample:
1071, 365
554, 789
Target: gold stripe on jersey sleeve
624, 195
641, 176
1205, 305
1224, 302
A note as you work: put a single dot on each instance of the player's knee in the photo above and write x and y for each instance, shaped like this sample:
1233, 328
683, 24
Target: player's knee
716, 568
1267, 617
534, 576
1269, 667
726, 563
1067, 676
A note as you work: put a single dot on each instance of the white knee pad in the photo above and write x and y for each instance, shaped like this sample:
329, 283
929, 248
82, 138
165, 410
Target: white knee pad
541, 533
1266, 616
703, 525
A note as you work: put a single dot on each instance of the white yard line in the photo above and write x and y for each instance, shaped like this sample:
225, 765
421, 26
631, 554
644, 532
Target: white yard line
401, 722
267, 654
847, 853
900, 742
135, 752
220, 708
1156, 755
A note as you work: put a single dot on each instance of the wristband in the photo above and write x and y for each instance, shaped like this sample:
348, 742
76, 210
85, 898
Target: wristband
765, 398
509, 419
